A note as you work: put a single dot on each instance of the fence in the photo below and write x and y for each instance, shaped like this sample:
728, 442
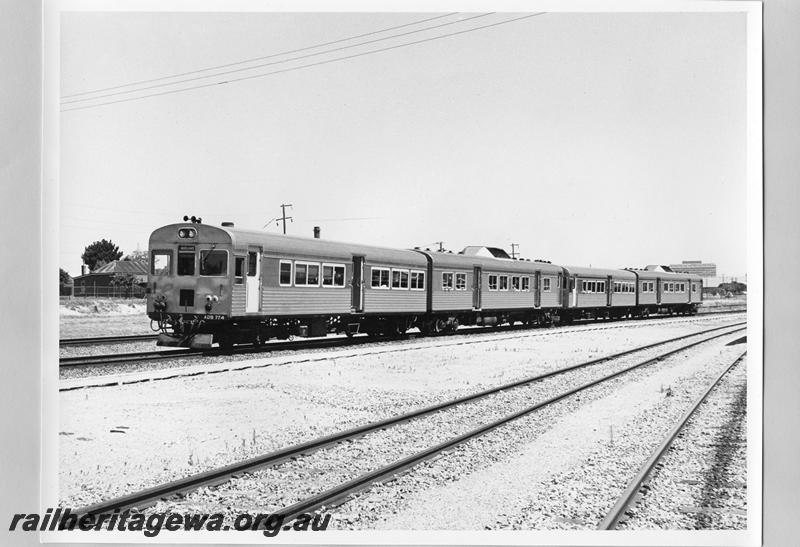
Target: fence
94, 291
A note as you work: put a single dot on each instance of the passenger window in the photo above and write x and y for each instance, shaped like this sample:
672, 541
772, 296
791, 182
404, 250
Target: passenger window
447, 281
515, 283
526, 283
313, 275
338, 276
399, 279
418, 280
503, 282
492, 282
285, 276
461, 282
380, 278
300, 273
332, 275
546, 284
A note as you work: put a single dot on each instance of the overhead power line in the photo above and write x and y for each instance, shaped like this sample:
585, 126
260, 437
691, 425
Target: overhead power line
273, 63
292, 69
271, 56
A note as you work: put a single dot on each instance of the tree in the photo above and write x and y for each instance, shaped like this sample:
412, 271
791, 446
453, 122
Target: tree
105, 251
125, 282
64, 283
136, 256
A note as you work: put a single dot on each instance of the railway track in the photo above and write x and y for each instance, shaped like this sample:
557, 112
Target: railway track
101, 340
96, 341
635, 487
150, 496
292, 345
109, 359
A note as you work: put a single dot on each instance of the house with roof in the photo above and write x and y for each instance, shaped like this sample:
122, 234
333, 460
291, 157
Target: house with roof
117, 278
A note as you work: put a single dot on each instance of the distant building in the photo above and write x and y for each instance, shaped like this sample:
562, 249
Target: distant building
101, 281
696, 267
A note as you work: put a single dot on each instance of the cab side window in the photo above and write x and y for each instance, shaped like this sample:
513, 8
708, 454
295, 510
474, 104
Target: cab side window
238, 270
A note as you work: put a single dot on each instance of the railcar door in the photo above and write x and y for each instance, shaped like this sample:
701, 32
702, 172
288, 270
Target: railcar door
537, 287
658, 291
253, 290
357, 301
477, 274
573, 285
609, 290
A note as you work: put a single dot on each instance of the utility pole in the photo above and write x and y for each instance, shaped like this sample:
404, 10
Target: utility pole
283, 217
514, 250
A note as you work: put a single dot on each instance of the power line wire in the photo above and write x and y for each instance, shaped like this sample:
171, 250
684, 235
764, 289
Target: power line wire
234, 71
170, 92
273, 55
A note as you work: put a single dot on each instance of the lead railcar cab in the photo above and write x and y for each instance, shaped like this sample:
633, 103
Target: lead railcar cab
212, 284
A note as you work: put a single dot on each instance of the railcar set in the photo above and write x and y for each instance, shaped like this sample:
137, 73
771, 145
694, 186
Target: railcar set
225, 285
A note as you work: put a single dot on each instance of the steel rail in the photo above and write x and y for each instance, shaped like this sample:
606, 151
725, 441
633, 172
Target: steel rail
628, 496
106, 340
149, 496
188, 352
362, 482
109, 359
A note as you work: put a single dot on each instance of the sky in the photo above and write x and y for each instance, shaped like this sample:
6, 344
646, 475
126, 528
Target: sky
603, 139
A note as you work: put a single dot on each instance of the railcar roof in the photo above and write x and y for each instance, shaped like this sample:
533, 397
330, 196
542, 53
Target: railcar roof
279, 243
649, 274
448, 260
169, 233
599, 272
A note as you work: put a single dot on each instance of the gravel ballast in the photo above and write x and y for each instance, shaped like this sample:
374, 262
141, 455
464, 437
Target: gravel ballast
115, 440
561, 469
474, 337
701, 483
342, 462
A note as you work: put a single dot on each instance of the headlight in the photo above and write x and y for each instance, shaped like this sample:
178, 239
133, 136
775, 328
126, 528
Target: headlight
187, 233
208, 298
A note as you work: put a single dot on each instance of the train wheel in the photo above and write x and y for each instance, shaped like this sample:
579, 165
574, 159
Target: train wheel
453, 325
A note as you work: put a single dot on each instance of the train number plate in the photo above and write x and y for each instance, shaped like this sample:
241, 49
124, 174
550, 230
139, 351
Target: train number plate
215, 317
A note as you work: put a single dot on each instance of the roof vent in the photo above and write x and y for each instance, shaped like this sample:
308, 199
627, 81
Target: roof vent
228, 224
